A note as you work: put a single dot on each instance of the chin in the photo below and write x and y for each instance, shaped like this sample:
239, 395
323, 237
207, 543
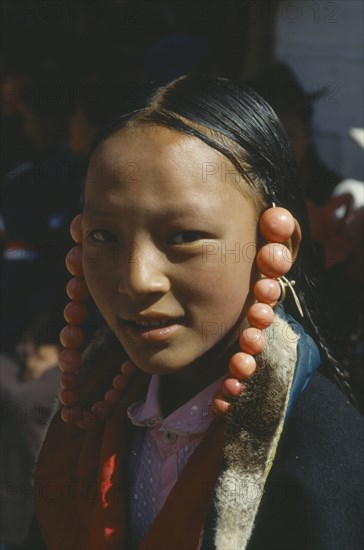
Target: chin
162, 362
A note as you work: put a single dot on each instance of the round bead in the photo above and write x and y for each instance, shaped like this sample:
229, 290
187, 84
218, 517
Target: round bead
76, 313
219, 405
70, 397
267, 291
77, 289
274, 260
76, 229
70, 360
69, 381
252, 340
88, 416
242, 365
112, 396
74, 261
128, 368
120, 382
88, 420
71, 415
276, 225
71, 337
101, 409
232, 387
260, 315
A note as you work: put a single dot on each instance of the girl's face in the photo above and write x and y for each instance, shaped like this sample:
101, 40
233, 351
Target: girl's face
169, 240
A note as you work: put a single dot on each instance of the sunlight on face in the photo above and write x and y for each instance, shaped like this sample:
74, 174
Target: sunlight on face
169, 243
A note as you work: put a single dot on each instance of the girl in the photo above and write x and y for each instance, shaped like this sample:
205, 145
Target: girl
175, 192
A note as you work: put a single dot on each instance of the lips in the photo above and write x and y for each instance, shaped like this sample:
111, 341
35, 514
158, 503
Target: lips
151, 329
154, 323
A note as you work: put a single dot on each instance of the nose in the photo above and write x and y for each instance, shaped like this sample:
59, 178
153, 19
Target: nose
143, 271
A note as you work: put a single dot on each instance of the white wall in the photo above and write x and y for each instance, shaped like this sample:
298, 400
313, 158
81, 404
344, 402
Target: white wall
322, 42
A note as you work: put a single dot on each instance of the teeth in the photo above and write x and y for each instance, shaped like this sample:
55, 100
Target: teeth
155, 323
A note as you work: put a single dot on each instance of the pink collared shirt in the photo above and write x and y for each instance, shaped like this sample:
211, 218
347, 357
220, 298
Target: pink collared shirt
159, 453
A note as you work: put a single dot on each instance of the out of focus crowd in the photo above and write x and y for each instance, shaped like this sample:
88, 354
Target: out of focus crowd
60, 83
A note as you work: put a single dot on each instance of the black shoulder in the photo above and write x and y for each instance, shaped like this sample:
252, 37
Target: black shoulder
324, 413
313, 496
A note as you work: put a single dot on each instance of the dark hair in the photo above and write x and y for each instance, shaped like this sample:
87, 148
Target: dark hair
234, 120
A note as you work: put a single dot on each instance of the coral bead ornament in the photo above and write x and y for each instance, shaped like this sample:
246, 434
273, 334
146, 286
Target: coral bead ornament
260, 315
72, 336
76, 229
242, 365
74, 261
232, 387
267, 291
70, 360
273, 260
77, 289
76, 312
276, 225
252, 340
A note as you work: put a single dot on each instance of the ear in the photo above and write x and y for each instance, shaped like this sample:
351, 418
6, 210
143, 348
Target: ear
294, 242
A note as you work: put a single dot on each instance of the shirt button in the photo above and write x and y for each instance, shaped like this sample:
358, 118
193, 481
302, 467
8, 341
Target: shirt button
169, 437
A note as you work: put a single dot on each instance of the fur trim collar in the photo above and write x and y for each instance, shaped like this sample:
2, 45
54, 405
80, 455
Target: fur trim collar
253, 429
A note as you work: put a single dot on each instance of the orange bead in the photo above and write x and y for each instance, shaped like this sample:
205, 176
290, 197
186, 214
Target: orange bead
88, 416
252, 340
219, 405
112, 396
71, 415
232, 388
69, 381
260, 315
128, 368
274, 260
101, 409
77, 289
88, 420
70, 360
242, 365
267, 291
120, 382
71, 337
276, 225
74, 261
70, 397
76, 313
76, 229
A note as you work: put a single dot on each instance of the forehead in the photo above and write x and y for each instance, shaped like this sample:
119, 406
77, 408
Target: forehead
127, 141
150, 162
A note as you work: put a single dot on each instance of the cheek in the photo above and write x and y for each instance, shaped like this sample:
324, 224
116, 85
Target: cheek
218, 291
100, 273
227, 294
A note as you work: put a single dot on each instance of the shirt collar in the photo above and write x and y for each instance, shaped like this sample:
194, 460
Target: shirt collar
191, 418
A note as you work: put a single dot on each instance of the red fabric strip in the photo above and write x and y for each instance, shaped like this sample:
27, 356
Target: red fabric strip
80, 482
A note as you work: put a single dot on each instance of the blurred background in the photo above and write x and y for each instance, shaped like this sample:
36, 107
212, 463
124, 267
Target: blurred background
67, 67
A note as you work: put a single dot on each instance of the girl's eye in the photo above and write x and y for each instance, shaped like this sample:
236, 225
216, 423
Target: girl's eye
102, 236
186, 237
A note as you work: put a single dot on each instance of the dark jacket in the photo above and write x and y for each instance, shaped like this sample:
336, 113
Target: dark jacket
313, 498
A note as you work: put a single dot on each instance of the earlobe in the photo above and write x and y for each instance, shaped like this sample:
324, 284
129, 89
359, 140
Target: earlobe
294, 242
